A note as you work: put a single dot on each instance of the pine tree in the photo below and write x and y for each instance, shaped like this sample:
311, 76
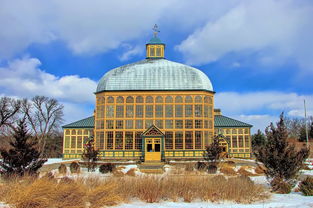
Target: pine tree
281, 160
22, 157
258, 140
90, 155
311, 131
213, 151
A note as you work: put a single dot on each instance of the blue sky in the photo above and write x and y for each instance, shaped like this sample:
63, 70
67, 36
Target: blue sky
258, 54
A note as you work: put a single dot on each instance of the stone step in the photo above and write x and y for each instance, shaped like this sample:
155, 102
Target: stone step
152, 171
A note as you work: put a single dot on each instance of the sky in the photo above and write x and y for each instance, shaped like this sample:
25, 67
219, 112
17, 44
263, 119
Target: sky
257, 54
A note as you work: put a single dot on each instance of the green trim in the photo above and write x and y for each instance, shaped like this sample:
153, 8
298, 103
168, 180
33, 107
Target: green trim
221, 121
87, 123
202, 90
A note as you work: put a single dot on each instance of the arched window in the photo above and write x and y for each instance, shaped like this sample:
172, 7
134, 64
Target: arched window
178, 99
79, 132
168, 99
67, 132
139, 99
198, 99
206, 99
129, 99
110, 99
120, 99
149, 99
73, 132
159, 99
188, 99
100, 100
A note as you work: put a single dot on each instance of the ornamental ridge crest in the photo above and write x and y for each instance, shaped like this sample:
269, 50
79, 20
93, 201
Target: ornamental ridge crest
152, 131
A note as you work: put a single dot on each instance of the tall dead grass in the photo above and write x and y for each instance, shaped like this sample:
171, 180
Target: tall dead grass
96, 192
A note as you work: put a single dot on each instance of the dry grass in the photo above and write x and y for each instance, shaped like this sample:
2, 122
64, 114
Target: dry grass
259, 170
228, 171
97, 192
131, 172
243, 171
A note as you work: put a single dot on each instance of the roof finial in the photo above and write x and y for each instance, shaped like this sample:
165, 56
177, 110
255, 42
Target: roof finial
156, 30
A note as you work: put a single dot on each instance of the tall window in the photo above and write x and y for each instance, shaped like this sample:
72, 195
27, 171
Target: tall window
159, 111
188, 110
139, 111
168, 140
188, 140
149, 111
179, 111
119, 111
168, 111
109, 139
179, 140
198, 110
129, 111
198, 139
129, 140
119, 140
138, 140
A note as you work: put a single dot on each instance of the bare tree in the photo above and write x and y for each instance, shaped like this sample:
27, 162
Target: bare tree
44, 116
9, 110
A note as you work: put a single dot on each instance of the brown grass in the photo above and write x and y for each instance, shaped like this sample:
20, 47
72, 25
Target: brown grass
259, 170
97, 192
228, 171
131, 172
243, 171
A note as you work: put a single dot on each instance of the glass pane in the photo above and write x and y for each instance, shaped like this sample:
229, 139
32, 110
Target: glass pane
110, 99
178, 99
129, 99
159, 111
139, 99
120, 99
169, 99
129, 111
159, 99
149, 99
149, 111
198, 99
178, 110
188, 99
168, 110
139, 111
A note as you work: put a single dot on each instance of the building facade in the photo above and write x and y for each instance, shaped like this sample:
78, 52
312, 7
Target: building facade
156, 109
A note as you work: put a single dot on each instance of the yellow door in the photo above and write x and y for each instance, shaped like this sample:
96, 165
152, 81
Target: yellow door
153, 149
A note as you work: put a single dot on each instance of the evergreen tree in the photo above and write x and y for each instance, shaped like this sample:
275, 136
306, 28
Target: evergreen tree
22, 157
213, 151
311, 131
281, 160
258, 140
90, 155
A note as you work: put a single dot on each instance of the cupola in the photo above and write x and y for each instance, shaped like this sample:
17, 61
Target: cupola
155, 47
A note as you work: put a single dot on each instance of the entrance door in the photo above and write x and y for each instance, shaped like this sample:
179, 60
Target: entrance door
153, 149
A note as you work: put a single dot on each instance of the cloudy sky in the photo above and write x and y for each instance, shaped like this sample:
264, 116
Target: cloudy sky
258, 54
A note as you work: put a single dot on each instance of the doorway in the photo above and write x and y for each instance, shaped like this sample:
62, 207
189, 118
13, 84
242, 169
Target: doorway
152, 149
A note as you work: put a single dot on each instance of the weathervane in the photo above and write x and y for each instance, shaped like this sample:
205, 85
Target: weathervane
156, 30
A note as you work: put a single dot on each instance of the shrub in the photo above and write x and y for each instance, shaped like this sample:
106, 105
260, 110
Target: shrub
306, 186
75, 167
62, 169
106, 168
212, 169
201, 166
189, 167
280, 186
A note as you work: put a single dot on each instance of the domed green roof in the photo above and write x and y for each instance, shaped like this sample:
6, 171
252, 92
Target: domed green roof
154, 74
155, 40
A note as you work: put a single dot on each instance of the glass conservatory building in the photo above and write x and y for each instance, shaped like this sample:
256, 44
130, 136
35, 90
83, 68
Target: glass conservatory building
156, 110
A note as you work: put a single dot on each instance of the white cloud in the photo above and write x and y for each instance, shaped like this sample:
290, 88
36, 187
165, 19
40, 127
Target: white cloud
24, 78
281, 28
261, 108
130, 52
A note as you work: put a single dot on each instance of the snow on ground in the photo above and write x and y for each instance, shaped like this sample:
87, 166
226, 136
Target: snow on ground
57, 160
293, 200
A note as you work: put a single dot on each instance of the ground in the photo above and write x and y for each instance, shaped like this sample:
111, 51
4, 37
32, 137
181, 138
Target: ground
292, 200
